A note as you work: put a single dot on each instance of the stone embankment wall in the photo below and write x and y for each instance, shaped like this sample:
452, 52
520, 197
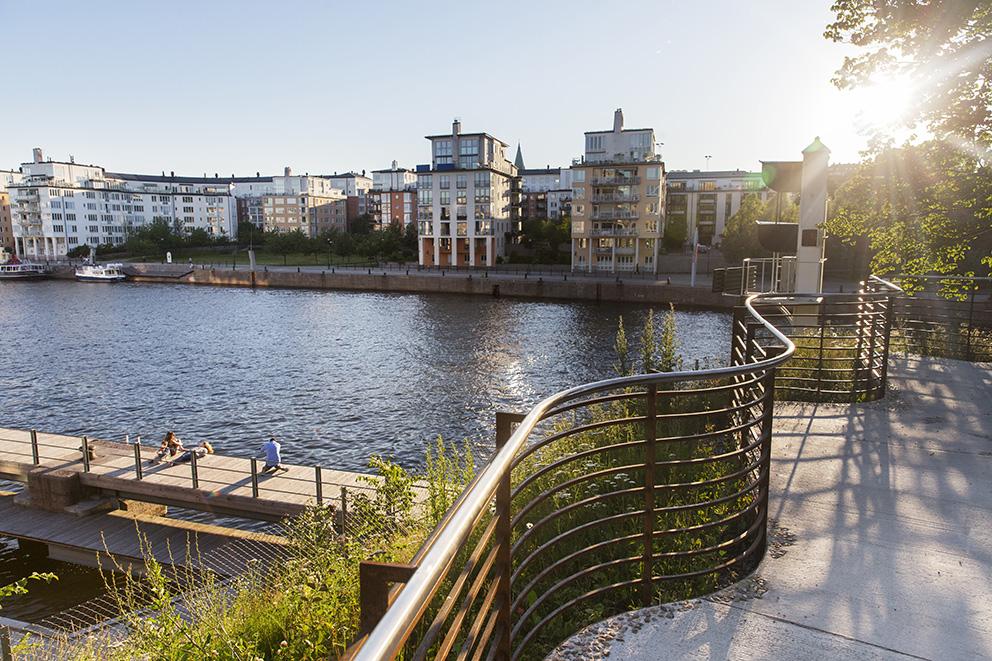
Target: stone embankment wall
546, 287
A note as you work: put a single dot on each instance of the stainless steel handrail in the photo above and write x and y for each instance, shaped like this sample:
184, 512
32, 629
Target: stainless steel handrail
387, 638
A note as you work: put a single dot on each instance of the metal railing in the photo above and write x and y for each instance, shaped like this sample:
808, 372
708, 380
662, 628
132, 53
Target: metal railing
618, 494
946, 315
637, 489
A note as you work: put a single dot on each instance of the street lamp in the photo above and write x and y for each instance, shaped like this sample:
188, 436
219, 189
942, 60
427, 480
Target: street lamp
330, 244
707, 157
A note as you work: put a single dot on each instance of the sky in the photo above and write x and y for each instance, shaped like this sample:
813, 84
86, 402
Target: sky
238, 87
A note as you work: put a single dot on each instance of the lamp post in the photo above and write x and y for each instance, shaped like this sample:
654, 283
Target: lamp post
708, 157
330, 244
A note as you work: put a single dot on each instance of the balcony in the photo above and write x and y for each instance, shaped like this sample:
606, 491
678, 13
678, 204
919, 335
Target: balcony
616, 181
615, 214
615, 231
616, 199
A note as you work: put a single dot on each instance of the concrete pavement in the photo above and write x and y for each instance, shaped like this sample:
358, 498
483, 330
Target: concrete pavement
882, 541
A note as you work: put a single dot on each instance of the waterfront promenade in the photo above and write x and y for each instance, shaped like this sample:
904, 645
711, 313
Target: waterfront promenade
880, 541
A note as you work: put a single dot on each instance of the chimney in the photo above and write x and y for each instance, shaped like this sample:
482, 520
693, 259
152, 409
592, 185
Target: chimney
172, 173
456, 126
618, 120
394, 165
288, 171
38, 156
258, 174
72, 159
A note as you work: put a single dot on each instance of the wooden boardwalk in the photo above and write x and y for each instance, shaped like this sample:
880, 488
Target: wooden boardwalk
223, 484
132, 537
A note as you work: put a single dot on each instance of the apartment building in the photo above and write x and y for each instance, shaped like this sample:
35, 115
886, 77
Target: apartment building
707, 199
355, 186
7, 178
467, 200
60, 205
618, 201
545, 193
392, 199
310, 204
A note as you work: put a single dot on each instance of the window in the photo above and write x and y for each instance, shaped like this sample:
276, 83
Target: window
442, 151
445, 197
424, 182
445, 181
482, 179
462, 197
652, 173
468, 147
58, 228
579, 175
56, 216
594, 143
707, 185
187, 209
56, 204
461, 181
188, 199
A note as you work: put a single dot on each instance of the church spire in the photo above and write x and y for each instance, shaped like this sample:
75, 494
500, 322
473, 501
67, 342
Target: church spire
519, 160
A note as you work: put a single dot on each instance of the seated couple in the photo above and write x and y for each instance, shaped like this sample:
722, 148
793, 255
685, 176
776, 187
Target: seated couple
173, 447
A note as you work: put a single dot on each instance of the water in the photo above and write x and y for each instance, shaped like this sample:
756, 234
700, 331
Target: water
337, 376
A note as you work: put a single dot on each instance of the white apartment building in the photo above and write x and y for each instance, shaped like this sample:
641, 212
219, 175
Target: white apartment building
467, 200
707, 199
547, 193
356, 187
618, 201
58, 206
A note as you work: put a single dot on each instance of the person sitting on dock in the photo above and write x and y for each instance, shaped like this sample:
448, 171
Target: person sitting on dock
201, 451
273, 455
171, 445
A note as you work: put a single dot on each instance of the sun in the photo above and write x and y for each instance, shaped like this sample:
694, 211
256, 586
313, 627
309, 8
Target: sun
884, 105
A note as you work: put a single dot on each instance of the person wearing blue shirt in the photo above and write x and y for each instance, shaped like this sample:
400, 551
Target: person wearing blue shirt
273, 455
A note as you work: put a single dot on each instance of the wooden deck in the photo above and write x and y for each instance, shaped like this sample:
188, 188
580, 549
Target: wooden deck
130, 537
224, 483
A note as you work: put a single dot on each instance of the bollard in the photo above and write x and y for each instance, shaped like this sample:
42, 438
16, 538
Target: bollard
254, 477
408, 271
137, 460
297, 269
192, 469
320, 485
34, 447
86, 455
697, 364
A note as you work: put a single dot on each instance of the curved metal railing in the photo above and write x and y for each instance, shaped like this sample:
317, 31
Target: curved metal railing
624, 492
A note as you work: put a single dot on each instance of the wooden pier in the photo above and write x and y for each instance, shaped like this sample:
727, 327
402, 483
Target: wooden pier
217, 483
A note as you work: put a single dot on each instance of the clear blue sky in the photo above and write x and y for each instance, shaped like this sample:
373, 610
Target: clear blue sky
243, 86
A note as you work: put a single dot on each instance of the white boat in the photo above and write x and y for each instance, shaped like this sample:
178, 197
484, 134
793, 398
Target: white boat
100, 273
16, 270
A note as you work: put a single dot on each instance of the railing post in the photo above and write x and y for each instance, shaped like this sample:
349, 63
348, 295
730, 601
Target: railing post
254, 477
650, 430
34, 447
6, 653
137, 460
505, 422
192, 469
373, 590
344, 510
971, 321
319, 482
86, 455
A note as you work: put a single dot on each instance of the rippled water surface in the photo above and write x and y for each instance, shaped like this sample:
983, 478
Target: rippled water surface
337, 375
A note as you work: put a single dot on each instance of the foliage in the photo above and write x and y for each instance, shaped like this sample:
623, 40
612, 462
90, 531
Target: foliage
669, 359
676, 232
941, 45
449, 470
622, 367
924, 209
20, 587
740, 236
546, 237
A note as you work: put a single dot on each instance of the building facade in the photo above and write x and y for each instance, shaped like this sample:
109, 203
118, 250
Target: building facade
355, 186
467, 200
58, 206
310, 204
393, 197
7, 178
707, 200
546, 193
618, 201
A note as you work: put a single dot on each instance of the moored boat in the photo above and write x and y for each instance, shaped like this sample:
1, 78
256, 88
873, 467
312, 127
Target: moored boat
18, 270
100, 273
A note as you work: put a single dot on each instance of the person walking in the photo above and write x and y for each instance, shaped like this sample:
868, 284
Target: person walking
273, 455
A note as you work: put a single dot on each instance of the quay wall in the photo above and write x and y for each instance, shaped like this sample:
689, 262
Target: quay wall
534, 287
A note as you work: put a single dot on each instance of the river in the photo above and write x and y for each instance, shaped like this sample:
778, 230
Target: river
337, 376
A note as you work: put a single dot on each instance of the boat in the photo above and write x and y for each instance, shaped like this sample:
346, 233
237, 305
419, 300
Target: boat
15, 269
100, 273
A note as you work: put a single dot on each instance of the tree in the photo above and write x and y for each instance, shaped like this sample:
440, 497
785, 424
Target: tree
676, 232
248, 234
923, 209
284, 243
942, 46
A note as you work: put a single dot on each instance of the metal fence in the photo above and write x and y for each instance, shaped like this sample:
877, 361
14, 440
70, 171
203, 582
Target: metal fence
622, 493
947, 316
842, 342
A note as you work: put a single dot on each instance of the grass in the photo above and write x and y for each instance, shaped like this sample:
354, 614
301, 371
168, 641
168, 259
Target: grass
262, 258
